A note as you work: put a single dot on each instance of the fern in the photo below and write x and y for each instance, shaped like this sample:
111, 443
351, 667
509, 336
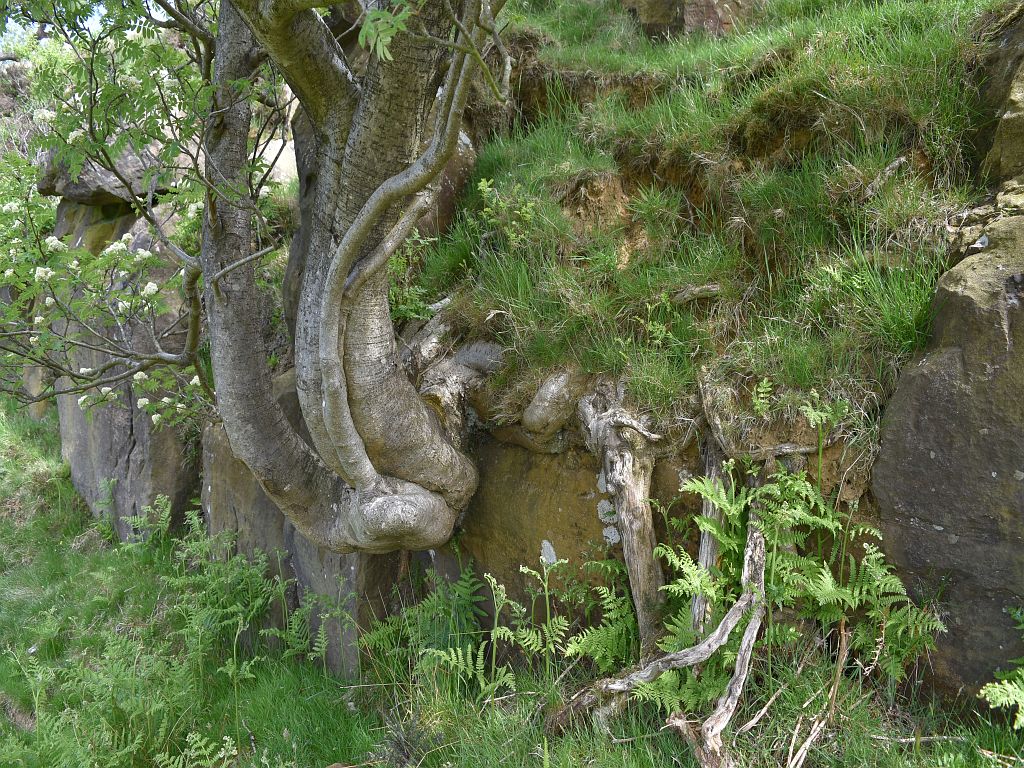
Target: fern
1007, 692
613, 642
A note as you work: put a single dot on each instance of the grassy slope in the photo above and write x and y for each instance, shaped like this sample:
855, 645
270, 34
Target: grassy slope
91, 647
94, 623
746, 162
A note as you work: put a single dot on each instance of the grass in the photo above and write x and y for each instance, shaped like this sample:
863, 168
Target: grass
129, 655
806, 163
95, 665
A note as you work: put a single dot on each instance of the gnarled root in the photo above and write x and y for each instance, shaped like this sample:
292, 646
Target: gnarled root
623, 444
607, 696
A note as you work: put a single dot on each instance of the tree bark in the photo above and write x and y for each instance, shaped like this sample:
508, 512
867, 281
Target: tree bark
383, 473
624, 447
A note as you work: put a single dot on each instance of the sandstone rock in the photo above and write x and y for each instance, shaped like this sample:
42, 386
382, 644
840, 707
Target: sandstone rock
667, 17
1002, 94
530, 505
95, 185
119, 461
949, 481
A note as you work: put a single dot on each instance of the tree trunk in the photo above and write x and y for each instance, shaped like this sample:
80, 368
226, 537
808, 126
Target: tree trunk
382, 474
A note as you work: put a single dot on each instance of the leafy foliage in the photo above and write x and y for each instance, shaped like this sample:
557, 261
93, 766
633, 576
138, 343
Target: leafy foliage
1007, 692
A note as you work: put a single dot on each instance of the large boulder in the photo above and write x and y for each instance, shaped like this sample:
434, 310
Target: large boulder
94, 185
120, 462
659, 18
949, 482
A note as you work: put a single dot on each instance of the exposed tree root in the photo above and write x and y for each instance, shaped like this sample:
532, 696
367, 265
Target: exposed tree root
623, 444
606, 697
708, 553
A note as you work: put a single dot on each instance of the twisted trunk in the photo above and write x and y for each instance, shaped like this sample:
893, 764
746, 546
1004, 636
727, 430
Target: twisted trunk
382, 473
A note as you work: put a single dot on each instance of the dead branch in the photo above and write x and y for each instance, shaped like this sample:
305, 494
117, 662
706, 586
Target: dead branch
623, 444
607, 696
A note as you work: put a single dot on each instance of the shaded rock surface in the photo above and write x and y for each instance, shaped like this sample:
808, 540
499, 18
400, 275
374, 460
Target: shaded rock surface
120, 463
531, 505
667, 17
94, 185
949, 482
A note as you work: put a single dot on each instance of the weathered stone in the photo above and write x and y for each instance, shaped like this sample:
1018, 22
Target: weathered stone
95, 185
340, 586
120, 463
1002, 96
530, 505
949, 481
667, 17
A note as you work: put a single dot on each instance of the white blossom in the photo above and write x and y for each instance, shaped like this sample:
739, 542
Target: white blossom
38, 320
149, 289
55, 244
86, 371
104, 391
142, 402
83, 400
75, 135
180, 406
140, 376
11, 207
74, 264
115, 249
127, 237
142, 254
195, 381
166, 400
43, 115
8, 273
49, 301
33, 339
156, 418
43, 273
132, 82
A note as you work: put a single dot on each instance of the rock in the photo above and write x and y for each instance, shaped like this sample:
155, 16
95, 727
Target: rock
339, 585
659, 18
95, 185
949, 482
282, 154
552, 406
530, 505
1002, 96
120, 463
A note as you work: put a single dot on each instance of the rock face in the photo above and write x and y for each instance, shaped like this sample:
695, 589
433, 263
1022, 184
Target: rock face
95, 185
665, 17
949, 482
531, 505
119, 462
